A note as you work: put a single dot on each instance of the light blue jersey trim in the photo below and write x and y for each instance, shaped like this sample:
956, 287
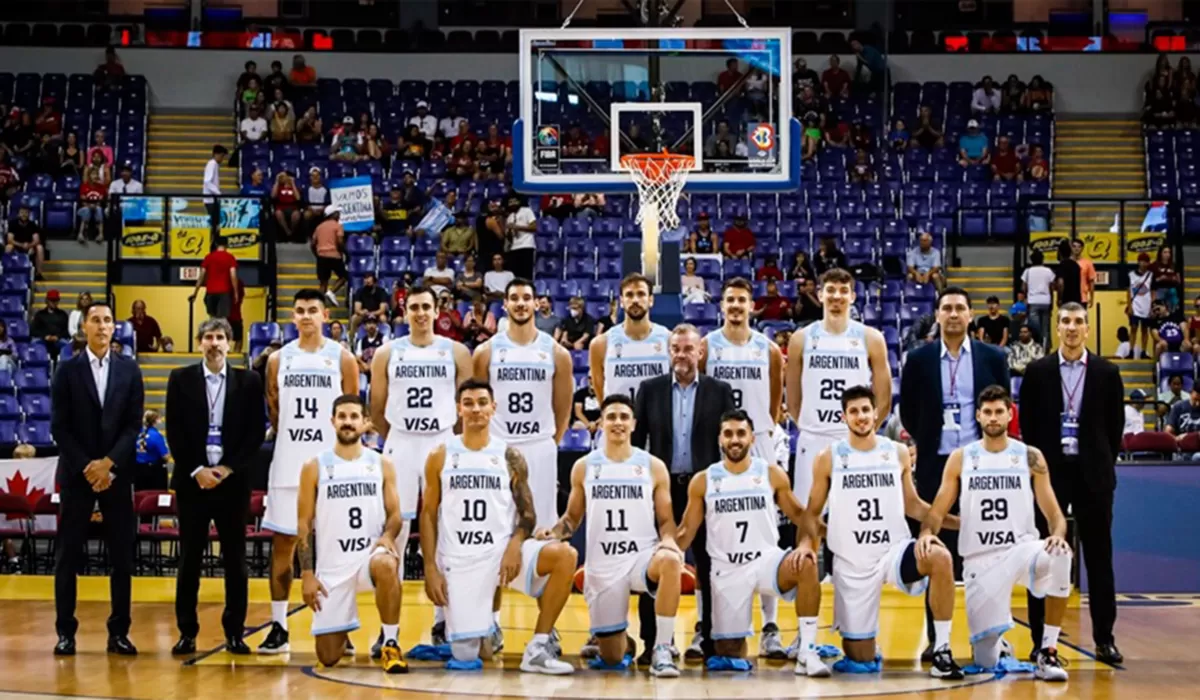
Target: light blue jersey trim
610, 629
917, 587
790, 595
350, 627
278, 529
991, 632
858, 636
471, 635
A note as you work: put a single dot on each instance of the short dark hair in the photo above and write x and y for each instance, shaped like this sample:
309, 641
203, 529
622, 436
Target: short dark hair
993, 299
349, 399
102, 301
860, 391
518, 282
1071, 306
620, 398
417, 290
251, 63
219, 150
308, 294
835, 275
737, 415
473, 384
220, 242
215, 324
1037, 258
995, 392
952, 291
635, 278
737, 283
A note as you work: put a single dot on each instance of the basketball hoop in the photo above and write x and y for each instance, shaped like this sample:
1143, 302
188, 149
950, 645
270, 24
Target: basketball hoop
660, 178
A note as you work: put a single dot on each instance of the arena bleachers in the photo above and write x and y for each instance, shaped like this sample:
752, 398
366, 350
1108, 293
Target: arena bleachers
1173, 171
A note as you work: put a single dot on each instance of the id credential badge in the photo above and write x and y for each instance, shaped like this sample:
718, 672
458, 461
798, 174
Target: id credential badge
1070, 432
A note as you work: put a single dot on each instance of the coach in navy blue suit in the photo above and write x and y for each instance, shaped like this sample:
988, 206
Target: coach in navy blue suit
95, 418
938, 387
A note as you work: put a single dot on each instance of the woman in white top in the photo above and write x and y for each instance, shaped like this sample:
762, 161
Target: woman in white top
1037, 281
76, 316
692, 284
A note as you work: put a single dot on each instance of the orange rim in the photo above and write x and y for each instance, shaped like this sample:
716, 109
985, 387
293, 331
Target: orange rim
658, 167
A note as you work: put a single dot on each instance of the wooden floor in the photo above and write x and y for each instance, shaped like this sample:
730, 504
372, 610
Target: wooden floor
1156, 633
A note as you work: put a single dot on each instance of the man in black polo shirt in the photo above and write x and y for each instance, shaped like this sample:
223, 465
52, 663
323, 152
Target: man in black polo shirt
369, 302
25, 235
393, 216
575, 331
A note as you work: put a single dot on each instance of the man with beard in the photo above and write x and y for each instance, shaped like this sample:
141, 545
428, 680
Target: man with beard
735, 500
752, 365
869, 497
628, 354
533, 383
999, 480
412, 403
349, 510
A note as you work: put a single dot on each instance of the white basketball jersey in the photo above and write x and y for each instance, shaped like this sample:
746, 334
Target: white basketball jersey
866, 502
350, 513
477, 513
619, 499
309, 383
832, 362
746, 368
421, 385
996, 499
522, 378
739, 510
628, 362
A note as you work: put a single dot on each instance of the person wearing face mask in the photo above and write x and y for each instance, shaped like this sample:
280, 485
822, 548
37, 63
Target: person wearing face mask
938, 388
575, 331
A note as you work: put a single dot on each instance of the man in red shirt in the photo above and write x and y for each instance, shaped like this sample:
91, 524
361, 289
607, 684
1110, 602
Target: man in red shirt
92, 194
576, 144
772, 307
769, 271
738, 239
48, 121
730, 76
1005, 163
146, 331
218, 274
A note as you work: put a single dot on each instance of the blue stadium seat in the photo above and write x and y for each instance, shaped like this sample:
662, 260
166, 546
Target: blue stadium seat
360, 245
576, 440
36, 406
290, 332
700, 314
123, 333
34, 355
33, 380
10, 409
36, 433
1175, 363
8, 432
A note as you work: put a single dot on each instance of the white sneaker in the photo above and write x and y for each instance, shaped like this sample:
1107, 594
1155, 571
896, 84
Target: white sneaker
694, 651
810, 664
662, 664
497, 640
590, 648
770, 644
331, 298
793, 649
538, 658
1049, 668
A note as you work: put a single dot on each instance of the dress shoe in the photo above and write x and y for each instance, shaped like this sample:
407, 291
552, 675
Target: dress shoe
236, 645
186, 645
65, 646
120, 644
1109, 654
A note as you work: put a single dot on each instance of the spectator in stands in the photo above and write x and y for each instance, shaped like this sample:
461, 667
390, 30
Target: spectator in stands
1039, 97
125, 185
691, 284
1012, 95
496, 279
250, 73
929, 133
26, 236
370, 302
310, 128
610, 319
448, 322
1167, 283
1036, 168
808, 305
253, 128
837, 133
337, 333
772, 306
413, 200
703, 240
489, 230
469, 285
738, 239
283, 124
986, 98
372, 145
82, 302
899, 136
545, 319
316, 197
828, 257
1087, 271
71, 161
1183, 72
756, 86
346, 143
1171, 396
20, 139
993, 326
925, 262
1159, 108
812, 137
45, 158
1024, 351
870, 69
109, 73
462, 166
575, 331
372, 339
459, 238
479, 324
392, 218
49, 121
730, 77
1135, 422
8, 349
450, 125
1124, 350
835, 79
251, 94
440, 277
10, 179
276, 80
862, 172
256, 187
802, 268
1068, 276
810, 101
803, 77
92, 195
146, 331
519, 229
1005, 163
285, 200
100, 145
1166, 334
212, 187
721, 134
589, 205
302, 75
1038, 281
973, 146
1184, 416
260, 362
103, 170
49, 323
218, 274
586, 408
1193, 328
423, 120
861, 136
400, 294
1187, 110
769, 270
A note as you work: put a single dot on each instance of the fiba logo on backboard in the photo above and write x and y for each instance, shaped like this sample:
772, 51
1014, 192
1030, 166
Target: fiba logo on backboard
762, 140
547, 151
548, 137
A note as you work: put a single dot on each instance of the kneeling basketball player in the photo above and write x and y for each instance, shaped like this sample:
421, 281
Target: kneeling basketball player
476, 520
349, 509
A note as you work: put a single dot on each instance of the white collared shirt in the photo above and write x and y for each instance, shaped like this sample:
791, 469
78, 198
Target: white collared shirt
100, 369
214, 390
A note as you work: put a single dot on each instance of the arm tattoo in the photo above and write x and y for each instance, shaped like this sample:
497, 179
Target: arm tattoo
1037, 463
305, 552
518, 473
563, 529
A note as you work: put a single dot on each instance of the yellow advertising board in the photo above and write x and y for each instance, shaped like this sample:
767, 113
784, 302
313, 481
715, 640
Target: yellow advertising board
142, 242
1100, 247
188, 235
195, 243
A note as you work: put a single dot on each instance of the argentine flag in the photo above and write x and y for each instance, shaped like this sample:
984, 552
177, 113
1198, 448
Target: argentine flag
1154, 221
437, 218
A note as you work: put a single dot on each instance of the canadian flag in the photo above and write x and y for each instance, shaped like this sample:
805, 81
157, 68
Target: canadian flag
30, 479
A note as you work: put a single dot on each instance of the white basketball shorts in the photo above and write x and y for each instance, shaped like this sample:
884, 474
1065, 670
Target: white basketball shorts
989, 579
339, 606
408, 452
858, 589
280, 515
470, 587
733, 592
607, 592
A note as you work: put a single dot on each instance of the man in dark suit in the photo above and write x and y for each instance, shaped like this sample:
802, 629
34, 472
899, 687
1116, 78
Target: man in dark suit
1073, 410
678, 420
937, 404
95, 418
216, 422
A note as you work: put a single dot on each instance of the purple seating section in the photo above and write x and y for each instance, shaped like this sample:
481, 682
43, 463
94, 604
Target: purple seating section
1173, 171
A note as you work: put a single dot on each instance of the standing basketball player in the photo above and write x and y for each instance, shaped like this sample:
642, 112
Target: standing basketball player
476, 520
753, 365
828, 356
869, 496
735, 500
303, 380
348, 496
413, 380
630, 537
998, 539
628, 354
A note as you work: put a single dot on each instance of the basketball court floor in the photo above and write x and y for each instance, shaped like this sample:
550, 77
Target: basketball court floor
1156, 634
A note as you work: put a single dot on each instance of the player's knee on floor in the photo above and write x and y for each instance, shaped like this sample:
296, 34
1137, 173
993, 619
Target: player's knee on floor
733, 648
986, 651
467, 649
613, 646
862, 650
330, 648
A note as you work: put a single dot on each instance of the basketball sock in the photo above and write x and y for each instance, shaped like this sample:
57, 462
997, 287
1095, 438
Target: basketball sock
1050, 637
770, 610
439, 615
699, 605
391, 633
542, 639
665, 631
941, 634
808, 633
279, 613
496, 617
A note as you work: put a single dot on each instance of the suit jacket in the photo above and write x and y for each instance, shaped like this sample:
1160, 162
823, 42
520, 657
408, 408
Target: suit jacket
654, 424
242, 425
84, 431
921, 391
1101, 416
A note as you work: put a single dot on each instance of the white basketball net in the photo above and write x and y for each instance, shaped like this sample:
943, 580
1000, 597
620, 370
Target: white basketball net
660, 178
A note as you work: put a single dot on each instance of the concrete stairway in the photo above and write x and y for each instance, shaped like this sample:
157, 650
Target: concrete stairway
1098, 157
180, 143
71, 277
297, 270
982, 282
